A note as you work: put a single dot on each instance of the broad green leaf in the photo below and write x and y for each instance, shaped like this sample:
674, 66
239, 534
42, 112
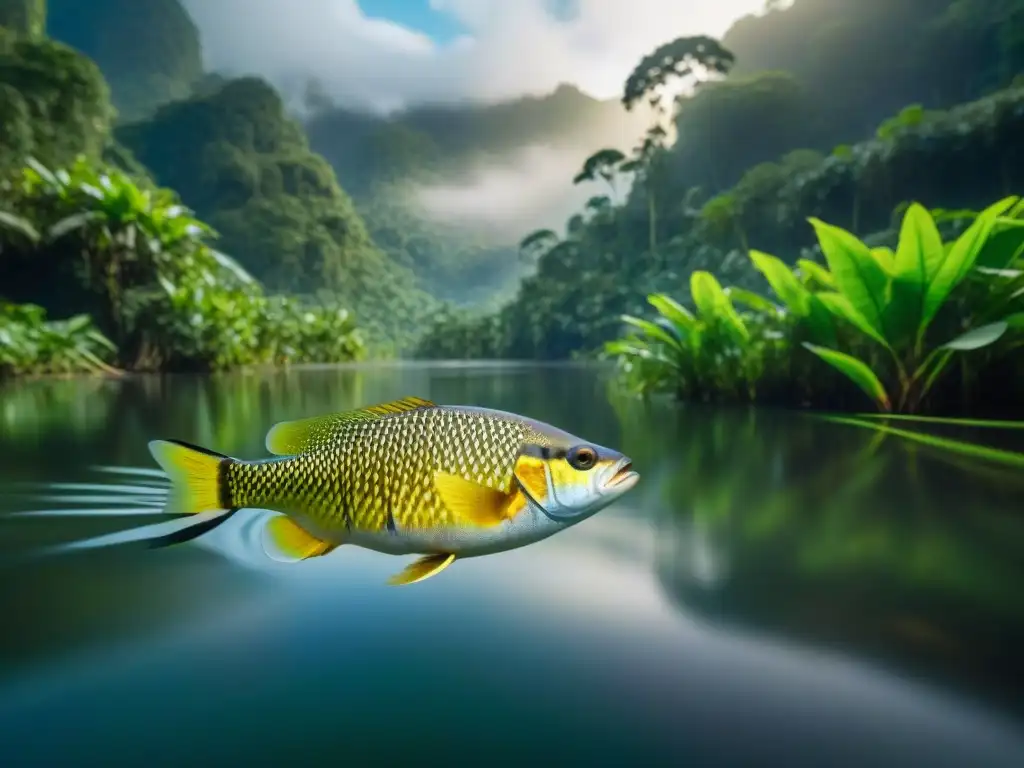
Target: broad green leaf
885, 258
1002, 248
20, 225
859, 277
99, 338
713, 303
960, 260
820, 321
753, 300
855, 370
653, 330
71, 223
817, 272
976, 338
918, 257
782, 280
841, 307
920, 251
77, 323
674, 312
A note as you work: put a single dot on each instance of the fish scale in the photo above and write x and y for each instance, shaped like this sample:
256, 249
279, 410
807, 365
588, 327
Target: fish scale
369, 468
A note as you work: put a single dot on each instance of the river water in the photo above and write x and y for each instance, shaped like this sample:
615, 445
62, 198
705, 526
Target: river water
776, 591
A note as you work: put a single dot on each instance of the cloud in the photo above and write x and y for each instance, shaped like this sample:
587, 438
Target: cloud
510, 47
530, 188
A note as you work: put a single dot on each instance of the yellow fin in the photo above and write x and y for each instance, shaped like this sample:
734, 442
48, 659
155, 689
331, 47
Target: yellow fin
532, 476
424, 568
291, 437
472, 502
196, 475
285, 540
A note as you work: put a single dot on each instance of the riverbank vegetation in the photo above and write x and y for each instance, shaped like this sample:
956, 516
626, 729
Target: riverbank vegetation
91, 241
924, 326
102, 269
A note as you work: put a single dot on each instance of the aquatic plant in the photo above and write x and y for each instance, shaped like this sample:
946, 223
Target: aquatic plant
716, 353
893, 298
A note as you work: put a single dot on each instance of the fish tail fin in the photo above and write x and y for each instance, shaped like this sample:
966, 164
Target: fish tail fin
198, 484
198, 477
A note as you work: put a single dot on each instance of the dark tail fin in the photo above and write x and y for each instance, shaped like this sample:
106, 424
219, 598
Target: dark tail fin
198, 484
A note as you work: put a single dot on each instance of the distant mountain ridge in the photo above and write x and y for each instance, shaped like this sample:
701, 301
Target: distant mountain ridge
430, 141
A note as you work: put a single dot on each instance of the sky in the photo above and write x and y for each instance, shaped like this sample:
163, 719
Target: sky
384, 55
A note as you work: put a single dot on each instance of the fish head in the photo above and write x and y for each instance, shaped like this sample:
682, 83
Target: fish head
571, 479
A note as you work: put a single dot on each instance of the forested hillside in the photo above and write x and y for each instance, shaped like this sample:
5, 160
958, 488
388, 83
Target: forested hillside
149, 50
245, 166
384, 162
839, 110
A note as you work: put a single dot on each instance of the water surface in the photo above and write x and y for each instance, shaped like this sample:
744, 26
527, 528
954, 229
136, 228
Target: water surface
775, 591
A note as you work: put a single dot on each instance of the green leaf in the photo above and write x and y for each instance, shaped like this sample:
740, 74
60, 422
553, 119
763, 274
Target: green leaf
77, 323
714, 304
753, 300
71, 223
674, 312
976, 338
20, 225
785, 284
885, 258
859, 277
653, 330
855, 370
919, 256
960, 260
919, 253
841, 307
1002, 248
817, 272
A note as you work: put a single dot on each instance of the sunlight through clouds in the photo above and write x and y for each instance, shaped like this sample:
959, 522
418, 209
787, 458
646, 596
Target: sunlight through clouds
508, 48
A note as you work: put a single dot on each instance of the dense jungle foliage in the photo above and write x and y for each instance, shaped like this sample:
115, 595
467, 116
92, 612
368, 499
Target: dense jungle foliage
125, 271
758, 151
818, 109
245, 166
132, 260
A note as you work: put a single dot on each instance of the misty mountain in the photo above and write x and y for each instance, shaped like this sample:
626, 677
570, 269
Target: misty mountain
432, 143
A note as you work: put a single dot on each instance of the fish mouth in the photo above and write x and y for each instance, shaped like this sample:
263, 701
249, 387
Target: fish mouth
624, 477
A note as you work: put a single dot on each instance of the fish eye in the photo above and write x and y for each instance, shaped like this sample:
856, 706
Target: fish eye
582, 457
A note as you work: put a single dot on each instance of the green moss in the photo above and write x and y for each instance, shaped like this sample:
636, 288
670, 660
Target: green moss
54, 103
149, 50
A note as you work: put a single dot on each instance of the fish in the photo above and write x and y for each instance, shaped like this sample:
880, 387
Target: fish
405, 477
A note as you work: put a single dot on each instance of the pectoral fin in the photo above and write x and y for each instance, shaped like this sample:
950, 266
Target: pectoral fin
286, 541
423, 568
473, 503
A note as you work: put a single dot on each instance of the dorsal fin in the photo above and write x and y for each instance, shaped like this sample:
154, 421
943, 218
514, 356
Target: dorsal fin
288, 438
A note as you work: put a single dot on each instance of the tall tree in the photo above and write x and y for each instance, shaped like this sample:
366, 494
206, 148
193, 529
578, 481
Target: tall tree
685, 61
